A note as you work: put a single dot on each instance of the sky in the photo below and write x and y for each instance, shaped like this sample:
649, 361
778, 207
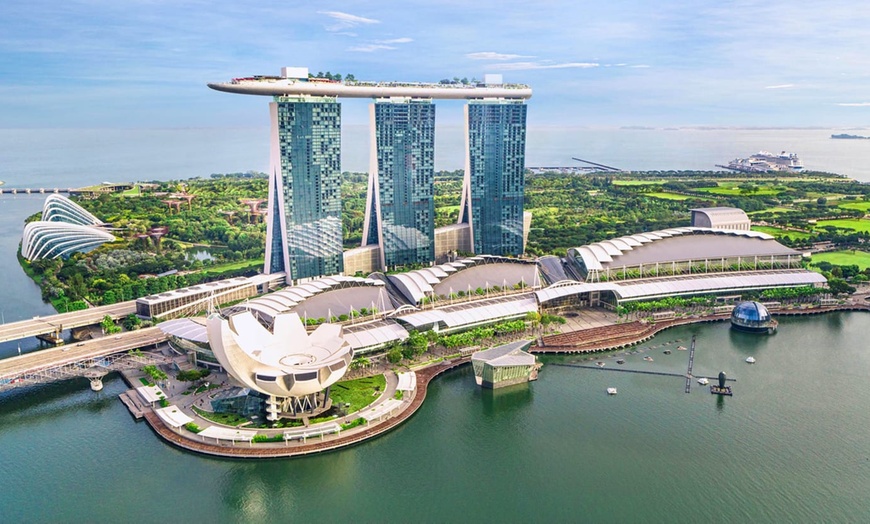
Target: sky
145, 63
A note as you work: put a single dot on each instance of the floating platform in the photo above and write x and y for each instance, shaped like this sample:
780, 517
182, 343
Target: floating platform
131, 399
717, 390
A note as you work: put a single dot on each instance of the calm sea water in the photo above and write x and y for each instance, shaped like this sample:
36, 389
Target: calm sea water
790, 446
64, 157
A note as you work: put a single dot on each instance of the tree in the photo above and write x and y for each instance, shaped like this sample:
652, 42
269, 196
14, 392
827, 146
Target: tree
131, 322
108, 325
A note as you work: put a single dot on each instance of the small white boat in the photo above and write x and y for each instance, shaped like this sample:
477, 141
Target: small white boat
682, 348
750, 360
611, 391
648, 359
600, 364
703, 381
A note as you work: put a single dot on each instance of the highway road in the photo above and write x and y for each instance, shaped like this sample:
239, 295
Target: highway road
53, 357
74, 319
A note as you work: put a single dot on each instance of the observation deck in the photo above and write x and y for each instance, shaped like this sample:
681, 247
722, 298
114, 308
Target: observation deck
280, 86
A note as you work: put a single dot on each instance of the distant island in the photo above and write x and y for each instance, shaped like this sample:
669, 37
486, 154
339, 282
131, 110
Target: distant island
850, 137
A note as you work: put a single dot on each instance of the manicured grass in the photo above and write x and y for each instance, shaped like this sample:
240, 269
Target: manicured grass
774, 210
736, 191
857, 224
637, 182
667, 196
227, 419
844, 258
860, 206
448, 209
258, 263
358, 393
777, 232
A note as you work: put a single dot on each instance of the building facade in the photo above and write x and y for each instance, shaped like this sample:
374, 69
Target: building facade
400, 209
304, 231
492, 195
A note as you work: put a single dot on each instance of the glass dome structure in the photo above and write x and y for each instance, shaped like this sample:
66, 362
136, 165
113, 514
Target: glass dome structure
752, 316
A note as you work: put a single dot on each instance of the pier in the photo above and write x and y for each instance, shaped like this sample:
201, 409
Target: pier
691, 364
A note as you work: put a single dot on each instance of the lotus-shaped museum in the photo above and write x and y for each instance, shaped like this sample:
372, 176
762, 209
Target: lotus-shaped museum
287, 364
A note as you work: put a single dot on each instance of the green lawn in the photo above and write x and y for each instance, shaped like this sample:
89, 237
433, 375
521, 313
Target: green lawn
860, 206
857, 224
844, 258
358, 393
233, 265
775, 210
736, 191
227, 419
637, 182
777, 232
667, 196
448, 209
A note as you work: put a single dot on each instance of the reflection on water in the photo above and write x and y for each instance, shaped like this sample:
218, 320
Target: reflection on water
506, 399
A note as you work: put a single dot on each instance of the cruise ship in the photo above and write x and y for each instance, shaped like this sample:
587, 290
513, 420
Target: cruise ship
764, 162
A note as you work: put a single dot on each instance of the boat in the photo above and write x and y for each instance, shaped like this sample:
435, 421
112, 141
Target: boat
682, 348
765, 162
600, 364
667, 352
620, 361
703, 381
750, 360
648, 358
611, 391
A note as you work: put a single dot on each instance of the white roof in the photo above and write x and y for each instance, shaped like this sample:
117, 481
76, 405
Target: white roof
173, 416
687, 285
185, 328
233, 434
151, 393
407, 381
374, 336
381, 409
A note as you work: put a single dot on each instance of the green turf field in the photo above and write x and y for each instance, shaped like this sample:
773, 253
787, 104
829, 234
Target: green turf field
777, 232
857, 224
844, 258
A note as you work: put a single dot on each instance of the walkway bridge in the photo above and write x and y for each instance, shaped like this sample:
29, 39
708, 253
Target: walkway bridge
92, 359
34, 190
54, 324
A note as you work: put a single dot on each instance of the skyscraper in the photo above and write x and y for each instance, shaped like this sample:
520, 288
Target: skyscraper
304, 233
400, 210
492, 193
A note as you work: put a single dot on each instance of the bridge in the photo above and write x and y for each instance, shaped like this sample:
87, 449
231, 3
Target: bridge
54, 324
92, 359
32, 191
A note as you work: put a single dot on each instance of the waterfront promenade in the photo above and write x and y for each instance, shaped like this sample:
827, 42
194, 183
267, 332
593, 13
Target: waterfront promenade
190, 441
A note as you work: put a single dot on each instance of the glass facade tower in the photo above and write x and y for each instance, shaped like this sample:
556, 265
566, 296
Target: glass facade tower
492, 193
400, 210
304, 231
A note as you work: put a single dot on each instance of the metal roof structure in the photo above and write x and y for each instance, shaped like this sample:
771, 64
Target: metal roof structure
186, 328
268, 306
231, 434
417, 284
374, 335
678, 244
470, 314
686, 285
511, 354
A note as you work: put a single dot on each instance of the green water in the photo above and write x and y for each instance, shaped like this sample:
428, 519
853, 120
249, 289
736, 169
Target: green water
792, 445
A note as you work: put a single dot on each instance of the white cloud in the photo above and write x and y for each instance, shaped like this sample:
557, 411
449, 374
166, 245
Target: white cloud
346, 20
854, 104
640, 66
370, 48
780, 86
520, 66
404, 40
490, 55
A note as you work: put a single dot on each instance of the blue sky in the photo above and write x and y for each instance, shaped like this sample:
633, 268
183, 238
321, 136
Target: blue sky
129, 63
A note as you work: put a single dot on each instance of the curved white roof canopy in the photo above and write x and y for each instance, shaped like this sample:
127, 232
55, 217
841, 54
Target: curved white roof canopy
58, 208
57, 239
285, 362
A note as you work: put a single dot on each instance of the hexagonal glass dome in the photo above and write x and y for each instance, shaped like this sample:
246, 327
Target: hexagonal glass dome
752, 316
